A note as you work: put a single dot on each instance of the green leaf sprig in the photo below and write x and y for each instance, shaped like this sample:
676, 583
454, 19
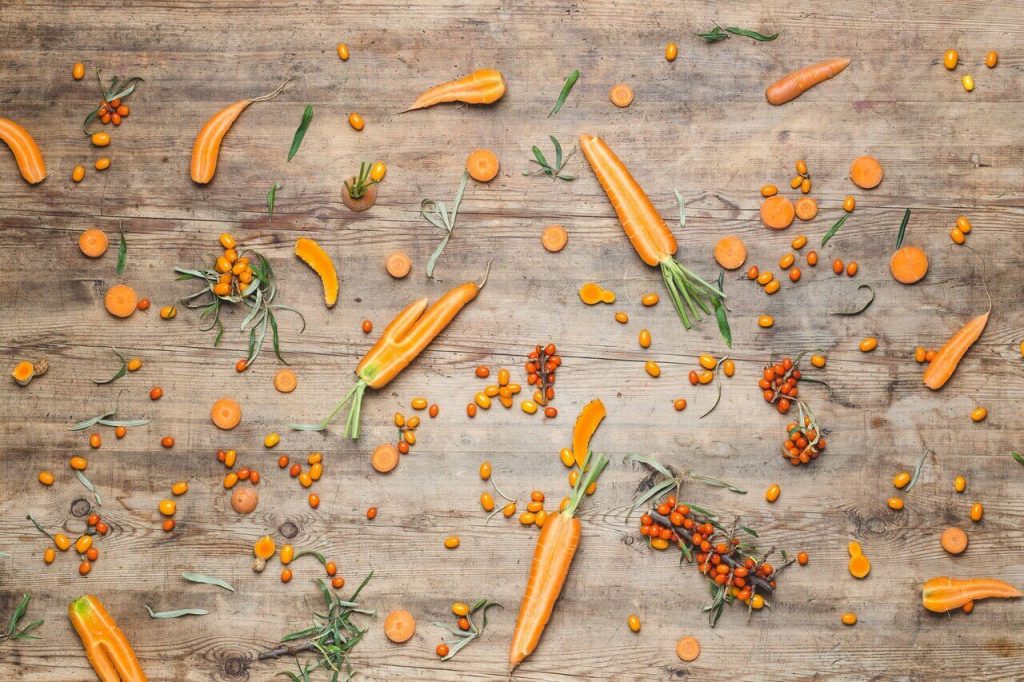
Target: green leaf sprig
722, 32
206, 580
718, 302
176, 613
103, 420
672, 481
553, 171
300, 132
272, 198
858, 311
903, 229
89, 486
569, 82
832, 230
119, 373
118, 89
122, 254
14, 630
438, 215
464, 637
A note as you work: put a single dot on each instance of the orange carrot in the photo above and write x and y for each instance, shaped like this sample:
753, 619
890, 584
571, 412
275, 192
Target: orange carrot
777, 212
93, 242
120, 300
285, 381
688, 649
399, 626
953, 540
794, 84
590, 417
866, 172
945, 594
908, 265
384, 458
806, 208
941, 368
554, 238
206, 148
398, 264
482, 165
226, 414
621, 95
483, 86
26, 152
730, 252
106, 646
403, 340
648, 233
313, 255
552, 557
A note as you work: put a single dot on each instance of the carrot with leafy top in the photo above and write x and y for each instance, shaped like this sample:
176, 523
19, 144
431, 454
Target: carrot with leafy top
483, 86
403, 340
647, 231
794, 84
105, 644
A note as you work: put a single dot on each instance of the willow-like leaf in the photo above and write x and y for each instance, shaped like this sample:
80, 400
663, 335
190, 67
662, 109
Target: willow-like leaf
569, 82
300, 132
832, 230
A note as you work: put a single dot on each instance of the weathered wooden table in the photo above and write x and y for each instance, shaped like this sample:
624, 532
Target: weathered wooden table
699, 124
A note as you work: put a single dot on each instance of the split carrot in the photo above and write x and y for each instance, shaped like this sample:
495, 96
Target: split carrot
794, 84
648, 233
483, 86
552, 557
945, 594
590, 417
26, 152
206, 148
730, 252
941, 368
105, 644
402, 341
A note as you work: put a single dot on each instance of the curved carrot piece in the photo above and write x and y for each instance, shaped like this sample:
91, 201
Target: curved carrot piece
945, 594
26, 152
794, 84
313, 255
642, 223
105, 644
590, 417
483, 86
206, 148
941, 368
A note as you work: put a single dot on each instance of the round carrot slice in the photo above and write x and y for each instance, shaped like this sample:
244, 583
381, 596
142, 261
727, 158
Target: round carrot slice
621, 95
482, 165
384, 458
399, 626
866, 172
730, 252
120, 300
93, 242
908, 265
688, 648
285, 381
777, 212
806, 208
953, 540
554, 238
226, 414
398, 264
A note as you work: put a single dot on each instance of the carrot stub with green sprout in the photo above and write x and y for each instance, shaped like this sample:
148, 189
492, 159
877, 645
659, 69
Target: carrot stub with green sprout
106, 646
648, 233
403, 340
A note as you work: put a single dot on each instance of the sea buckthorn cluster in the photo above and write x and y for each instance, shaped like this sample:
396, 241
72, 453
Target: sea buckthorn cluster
718, 557
923, 355
235, 271
503, 391
305, 478
779, 384
168, 507
541, 364
407, 425
803, 443
265, 548
84, 546
112, 111
708, 365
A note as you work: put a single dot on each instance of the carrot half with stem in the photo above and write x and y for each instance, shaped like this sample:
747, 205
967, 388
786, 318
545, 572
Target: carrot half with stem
556, 546
944, 594
648, 233
947, 358
794, 84
483, 86
105, 644
206, 148
402, 341
26, 152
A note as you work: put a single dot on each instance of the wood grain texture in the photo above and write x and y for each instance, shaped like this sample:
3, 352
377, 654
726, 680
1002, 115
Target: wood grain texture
699, 124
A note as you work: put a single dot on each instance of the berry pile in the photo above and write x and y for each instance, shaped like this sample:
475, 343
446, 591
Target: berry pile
779, 384
540, 366
803, 443
112, 112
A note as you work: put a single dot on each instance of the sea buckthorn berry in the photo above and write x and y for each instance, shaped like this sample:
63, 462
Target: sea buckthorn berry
950, 59
168, 525
963, 223
367, 326
550, 412
957, 235
929, 355
419, 403
487, 501
621, 317
413, 422
451, 542
295, 470
772, 287
433, 410
812, 258
901, 479
49, 555
286, 575
991, 59
134, 364
801, 167
471, 410
837, 266
679, 404
693, 377
78, 463
644, 338
849, 618
818, 360
895, 503
95, 441
633, 622
102, 164
802, 558
167, 441
757, 602
442, 649
229, 458
728, 367
919, 354
650, 299
968, 82
769, 190
707, 361
794, 275
305, 480
343, 52
786, 261
849, 203
483, 372
773, 492
752, 272
230, 480
167, 507
671, 51
378, 170
46, 478
314, 500
356, 121
979, 414
78, 174
485, 470
156, 393
851, 268
977, 512
959, 484
102, 527
371, 513
271, 439
78, 71
168, 312
805, 185
765, 277
867, 345
652, 368
179, 488
483, 400
508, 510
338, 582
796, 181
100, 139
84, 568
316, 470
705, 376
503, 377
765, 321
798, 242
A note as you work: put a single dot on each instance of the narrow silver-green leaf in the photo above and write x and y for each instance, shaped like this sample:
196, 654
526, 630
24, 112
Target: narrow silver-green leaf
300, 132
176, 613
206, 580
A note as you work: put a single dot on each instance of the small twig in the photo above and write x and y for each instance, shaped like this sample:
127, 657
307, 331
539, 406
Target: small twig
286, 651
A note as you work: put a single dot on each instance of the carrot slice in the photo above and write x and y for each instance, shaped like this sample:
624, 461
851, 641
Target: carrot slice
688, 649
226, 414
285, 381
859, 566
384, 458
398, 264
908, 265
953, 540
399, 626
93, 242
121, 300
621, 95
866, 172
482, 165
806, 208
777, 212
554, 238
730, 252
590, 417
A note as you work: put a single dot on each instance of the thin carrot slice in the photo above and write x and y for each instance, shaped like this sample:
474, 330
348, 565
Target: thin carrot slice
398, 264
554, 238
482, 165
730, 252
866, 172
953, 540
777, 212
806, 208
285, 381
384, 458
859, 566
226, 414
121, 300
93, 242
399, 626
590, 417
908, 265
621, 95
688, 649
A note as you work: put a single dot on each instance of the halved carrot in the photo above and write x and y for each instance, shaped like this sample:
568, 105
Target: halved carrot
121, 300
482, 165
730, 252
554, 238
866, 172
777, 212
688, 649
384, 458
398, 264
908, 265
945, 362
26, 152
483, 86
226, 414
399, 626
953, 540
93, 242
285, 381
806, 208
621, 95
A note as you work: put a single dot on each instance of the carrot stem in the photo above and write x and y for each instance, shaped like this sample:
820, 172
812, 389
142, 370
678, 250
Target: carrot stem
688, 290
354, 394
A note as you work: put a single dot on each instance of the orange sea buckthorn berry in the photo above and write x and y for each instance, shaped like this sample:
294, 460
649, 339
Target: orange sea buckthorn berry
167, 507
451, 542
851, 268
102, 164
867, 345
179, 488
802, 558
765, 278
798, 242
773, 492
95, 441
46, 478
728, 367
901, 479
979, 414
968, 82
812, 258
950, 59
621, 317
849, 203
769, 190
991, 59
959, 484
78, 174
356, 121
753, 272
794, 275
367, 326
849, 618
786, 261
805, 185
801, 167
963, 223
168, 525
168, 312
371, 513
286, 575
78, 463
314, 500
49, 555
156, 393
84, 568
796, 181
100, 139
485, 470
837, 266
338, 582
633, 621
671, 52
167, 441
977, 512
895, 503
772, 287
650, 299
78, 71
765, 321
679, 404
343, 52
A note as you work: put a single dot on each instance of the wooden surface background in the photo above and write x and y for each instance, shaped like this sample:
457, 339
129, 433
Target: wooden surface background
700, 125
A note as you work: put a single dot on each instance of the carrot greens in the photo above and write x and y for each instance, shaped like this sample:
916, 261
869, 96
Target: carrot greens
553, 171
14, 629
438, 215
